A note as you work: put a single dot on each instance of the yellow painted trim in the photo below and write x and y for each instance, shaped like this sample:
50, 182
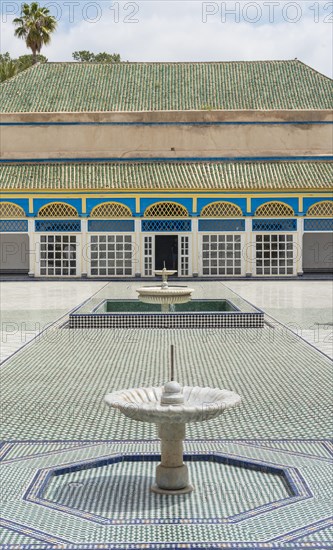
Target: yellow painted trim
248, 204
84, 205
194, 205
137, 205
31, 205
300, 204
193, 190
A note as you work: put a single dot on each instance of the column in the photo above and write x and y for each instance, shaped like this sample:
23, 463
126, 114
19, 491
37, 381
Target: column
33, 267
195, 252
249, 249
137, 252
83, 249
298, 247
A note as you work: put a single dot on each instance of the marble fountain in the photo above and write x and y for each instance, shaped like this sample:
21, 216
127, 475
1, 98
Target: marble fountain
171, 407
163, 306
166, 295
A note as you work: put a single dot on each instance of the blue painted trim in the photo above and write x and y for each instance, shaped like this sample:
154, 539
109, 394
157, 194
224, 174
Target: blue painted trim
194, 123
165, 159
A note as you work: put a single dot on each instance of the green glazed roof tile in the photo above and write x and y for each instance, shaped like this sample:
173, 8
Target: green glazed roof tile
150, 176
89, 87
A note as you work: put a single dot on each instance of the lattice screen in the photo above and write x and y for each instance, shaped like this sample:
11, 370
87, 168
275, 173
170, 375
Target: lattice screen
58, 210
10, 210
166, 225
321, 209
58, 226
13, 226
318, 225
166, 210
221, 210
274, 209
274, 225
111, 210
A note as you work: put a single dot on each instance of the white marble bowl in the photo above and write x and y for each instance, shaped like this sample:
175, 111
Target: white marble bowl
200, 404
167, 295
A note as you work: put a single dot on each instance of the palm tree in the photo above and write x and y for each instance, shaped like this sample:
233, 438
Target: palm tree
8, 69
35, 26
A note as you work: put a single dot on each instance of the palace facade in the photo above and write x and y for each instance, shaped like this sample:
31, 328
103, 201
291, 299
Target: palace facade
217, 169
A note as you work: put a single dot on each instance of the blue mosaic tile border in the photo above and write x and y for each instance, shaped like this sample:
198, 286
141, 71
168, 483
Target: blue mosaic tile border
293, 480
297, 485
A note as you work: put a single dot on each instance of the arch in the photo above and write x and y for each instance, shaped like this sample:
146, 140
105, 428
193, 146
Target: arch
166, 210
111, 210
322, 209
221, 209
276, 209
11, 210
58, 210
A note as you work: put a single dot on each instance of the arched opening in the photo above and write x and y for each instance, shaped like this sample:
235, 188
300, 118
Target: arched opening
322, 209
58, 210
111, 210
274, 209
221, 209
11, 210
166, 210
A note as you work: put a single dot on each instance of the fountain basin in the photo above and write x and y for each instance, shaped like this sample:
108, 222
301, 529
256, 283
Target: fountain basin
165, 295
200, 404
171, 408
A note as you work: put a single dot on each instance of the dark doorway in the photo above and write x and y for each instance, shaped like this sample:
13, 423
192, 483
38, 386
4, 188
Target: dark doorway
166, 250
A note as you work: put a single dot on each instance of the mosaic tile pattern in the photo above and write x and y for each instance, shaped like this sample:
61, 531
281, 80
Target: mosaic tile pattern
208, 516
71, 371
52, 399
167, 321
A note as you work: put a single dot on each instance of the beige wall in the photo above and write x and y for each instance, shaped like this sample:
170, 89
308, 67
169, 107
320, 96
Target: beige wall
171, 141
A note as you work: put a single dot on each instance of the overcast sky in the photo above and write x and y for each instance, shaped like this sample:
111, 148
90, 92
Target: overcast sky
186, 30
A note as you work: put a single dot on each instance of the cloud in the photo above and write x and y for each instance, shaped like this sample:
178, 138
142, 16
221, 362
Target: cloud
176, 31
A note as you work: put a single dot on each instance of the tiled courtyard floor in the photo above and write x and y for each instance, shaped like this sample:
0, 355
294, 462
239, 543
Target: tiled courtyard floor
52, 414
304, 306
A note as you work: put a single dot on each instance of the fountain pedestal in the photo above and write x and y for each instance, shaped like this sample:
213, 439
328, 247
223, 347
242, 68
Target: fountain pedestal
172, 474
171, 407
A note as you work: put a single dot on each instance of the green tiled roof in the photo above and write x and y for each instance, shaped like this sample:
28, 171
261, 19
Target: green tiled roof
150, 176
86, 87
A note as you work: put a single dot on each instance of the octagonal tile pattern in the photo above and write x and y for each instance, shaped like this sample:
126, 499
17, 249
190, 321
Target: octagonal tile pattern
36, 506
